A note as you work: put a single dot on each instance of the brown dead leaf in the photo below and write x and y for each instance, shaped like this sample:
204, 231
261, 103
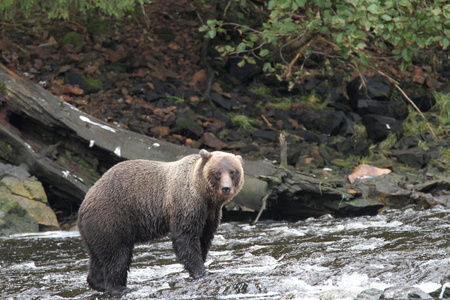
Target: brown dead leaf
366, 171
70, 89
199, 76
308, 160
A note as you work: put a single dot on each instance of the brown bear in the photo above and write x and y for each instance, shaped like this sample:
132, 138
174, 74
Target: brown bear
140, 200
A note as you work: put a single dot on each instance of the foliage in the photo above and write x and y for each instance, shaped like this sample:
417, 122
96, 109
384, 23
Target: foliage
62, 8
438, 115
336, 32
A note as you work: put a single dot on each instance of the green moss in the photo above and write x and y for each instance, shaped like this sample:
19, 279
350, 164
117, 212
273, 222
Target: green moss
73, 38
360, 132
72, 161
94, 85
100, 28
437, 117
260, 89
284, 104
389, 142
242, 121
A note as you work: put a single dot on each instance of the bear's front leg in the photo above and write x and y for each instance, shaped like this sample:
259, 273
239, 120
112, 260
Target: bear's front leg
188, 251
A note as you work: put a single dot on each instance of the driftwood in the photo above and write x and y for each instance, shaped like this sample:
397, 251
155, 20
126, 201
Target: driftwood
68, 151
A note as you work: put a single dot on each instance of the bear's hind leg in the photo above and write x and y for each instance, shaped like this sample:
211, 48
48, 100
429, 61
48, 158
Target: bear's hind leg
95, 277
116, 272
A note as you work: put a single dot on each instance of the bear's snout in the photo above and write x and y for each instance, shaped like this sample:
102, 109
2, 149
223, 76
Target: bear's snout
226, 189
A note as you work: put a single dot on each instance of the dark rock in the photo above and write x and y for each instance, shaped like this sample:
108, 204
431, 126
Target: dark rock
151, 96
376, 88
266, 134
76, 80
414, 157
311, 84
210, 140
158, 86
332, 123
393, 109
311, 137
379, 127
249, 148
244, 73
186, 124
422, 98
347, 127
407, 142
217, 114
222, 101
351, 146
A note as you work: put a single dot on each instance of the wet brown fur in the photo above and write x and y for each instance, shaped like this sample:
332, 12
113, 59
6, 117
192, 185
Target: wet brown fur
140, 200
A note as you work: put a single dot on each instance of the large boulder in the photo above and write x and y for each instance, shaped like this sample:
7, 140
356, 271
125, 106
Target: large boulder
24, 203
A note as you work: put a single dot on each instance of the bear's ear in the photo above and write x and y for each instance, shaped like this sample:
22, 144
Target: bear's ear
240, 158
205, 154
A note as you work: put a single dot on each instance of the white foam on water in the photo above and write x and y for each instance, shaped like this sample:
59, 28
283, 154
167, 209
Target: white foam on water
46, 235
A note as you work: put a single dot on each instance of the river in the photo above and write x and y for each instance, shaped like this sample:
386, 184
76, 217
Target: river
323, 258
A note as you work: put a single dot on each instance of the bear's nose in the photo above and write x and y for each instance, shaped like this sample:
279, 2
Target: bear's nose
226, 189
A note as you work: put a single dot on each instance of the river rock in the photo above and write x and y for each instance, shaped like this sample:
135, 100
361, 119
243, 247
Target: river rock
14, 218
414, 157
405, 293
375, 88
17, 186
378, 127
370, 294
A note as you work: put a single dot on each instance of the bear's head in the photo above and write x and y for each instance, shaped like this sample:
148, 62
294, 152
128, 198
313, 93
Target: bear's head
223, 172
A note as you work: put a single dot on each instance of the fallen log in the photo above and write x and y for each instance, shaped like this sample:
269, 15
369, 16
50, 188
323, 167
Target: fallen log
68, 150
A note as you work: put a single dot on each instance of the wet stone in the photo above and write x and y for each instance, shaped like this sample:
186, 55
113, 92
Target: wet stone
151, 96
266, 134
210, 140
370, 294
379, 127
414, 157
332, 123
397, 110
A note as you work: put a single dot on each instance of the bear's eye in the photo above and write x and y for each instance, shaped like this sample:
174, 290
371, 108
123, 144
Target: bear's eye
232, 173
217, 174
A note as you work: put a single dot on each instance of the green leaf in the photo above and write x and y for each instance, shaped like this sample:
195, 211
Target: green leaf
386, 17
211, 34
263, 52
241, 47
445, 43
407, 54
373, 8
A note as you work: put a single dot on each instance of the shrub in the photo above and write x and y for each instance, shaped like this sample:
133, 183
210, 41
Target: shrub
63, 8
336, 32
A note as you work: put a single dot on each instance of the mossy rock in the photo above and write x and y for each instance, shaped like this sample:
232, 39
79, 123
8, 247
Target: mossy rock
15, 219
30, 189
73, 38
101, 29
93, 85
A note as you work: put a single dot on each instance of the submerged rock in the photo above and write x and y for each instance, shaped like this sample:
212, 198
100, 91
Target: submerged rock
24, 203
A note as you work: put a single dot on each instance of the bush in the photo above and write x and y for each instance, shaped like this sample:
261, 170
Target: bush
337, 32
62, 8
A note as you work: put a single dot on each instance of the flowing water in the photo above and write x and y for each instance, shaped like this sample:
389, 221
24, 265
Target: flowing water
324, 258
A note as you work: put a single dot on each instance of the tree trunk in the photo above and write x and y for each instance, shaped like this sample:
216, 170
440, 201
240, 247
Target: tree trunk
69, 150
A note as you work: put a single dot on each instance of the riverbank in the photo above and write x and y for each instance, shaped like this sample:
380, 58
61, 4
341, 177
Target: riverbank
153, 82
